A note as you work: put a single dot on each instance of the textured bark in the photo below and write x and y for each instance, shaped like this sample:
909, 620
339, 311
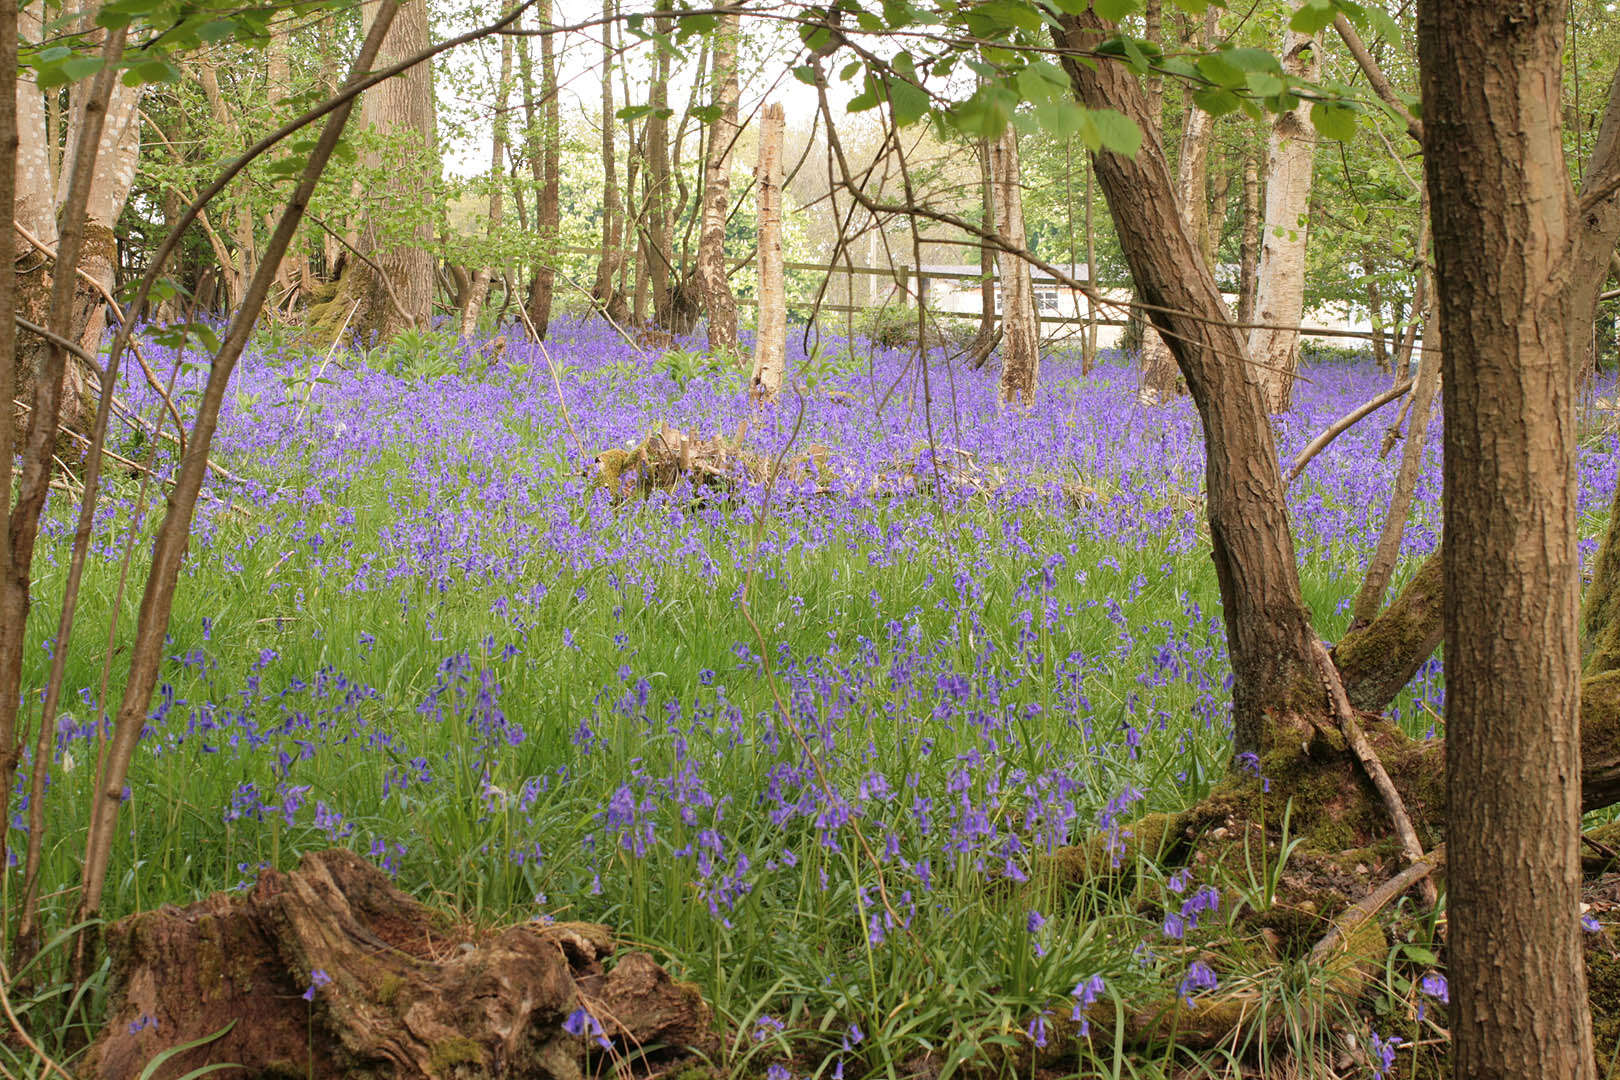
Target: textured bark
1249, 244
1280, 288
407, 992
10, 642
1159, 375
1502, 212
497, 166
401, 108
770, 337
548, 211
1375, 316
1020, 329
656, 187
1268, 629
713, 283
610, 267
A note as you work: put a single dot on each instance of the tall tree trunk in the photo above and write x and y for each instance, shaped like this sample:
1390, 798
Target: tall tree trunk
1088, 351
718, 302
1375, 313
11, 146
497, 162
770, 338
1159, 375
1268, 629
984, 342
239, 221
656, 184
1220, 188
293, 273
1249, 244
34, 175
548, 211
609, 265
1020, 328
1280, 295
1501, 203
401, 108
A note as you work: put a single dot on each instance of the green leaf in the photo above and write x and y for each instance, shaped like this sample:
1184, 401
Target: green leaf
1334, 121
1217, 101
909, 102
1264, 85
154, 1066
81, 67
1313, 17
1218, 70
1117, 131
1252, 60
805, 74
1115, 10
1067, 119
217, 30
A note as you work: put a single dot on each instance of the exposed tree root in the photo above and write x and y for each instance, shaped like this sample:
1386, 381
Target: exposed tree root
329, 971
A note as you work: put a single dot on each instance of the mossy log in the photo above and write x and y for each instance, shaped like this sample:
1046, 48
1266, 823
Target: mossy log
329, 971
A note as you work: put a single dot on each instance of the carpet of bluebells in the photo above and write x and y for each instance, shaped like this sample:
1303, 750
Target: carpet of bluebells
808, 744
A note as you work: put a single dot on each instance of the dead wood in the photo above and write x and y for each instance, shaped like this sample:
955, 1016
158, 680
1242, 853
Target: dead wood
1373, 766
329, 971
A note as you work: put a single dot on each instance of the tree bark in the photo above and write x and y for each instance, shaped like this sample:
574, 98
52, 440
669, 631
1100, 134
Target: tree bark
1381, 567
402, 109
770, 338
1280, 290
548, 211
1269, 634
1249, 245
610, 265
1502, 206
1159, 375
713, 282
656, 183
1020, 329
984, 342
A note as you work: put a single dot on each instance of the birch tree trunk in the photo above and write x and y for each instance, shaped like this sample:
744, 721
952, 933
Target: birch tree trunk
711, 258
1020, 329
770, 339
984, 342
35, 179
1249, 244
1280, 290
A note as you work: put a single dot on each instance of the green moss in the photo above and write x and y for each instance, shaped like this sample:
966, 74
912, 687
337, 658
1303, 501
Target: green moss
453, 1052
388, 989
1155, 837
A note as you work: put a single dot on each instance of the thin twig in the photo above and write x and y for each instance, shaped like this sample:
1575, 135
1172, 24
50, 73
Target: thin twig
1340, 426
1356, 915
1411, 847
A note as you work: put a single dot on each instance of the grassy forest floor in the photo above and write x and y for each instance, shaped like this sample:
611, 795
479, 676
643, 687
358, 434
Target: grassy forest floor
811, 755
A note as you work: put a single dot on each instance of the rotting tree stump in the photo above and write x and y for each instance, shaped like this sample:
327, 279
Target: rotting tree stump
411, 993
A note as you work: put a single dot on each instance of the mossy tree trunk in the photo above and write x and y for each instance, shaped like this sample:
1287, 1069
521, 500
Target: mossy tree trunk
1020, 327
